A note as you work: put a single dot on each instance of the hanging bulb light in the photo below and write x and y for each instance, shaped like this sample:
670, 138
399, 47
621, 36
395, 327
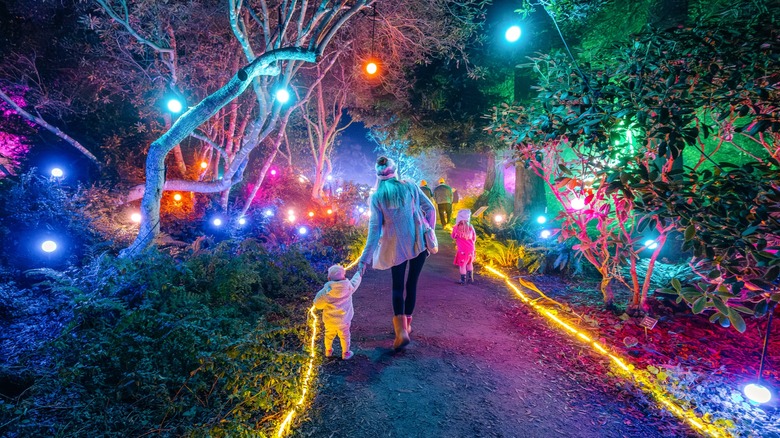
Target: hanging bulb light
372, 67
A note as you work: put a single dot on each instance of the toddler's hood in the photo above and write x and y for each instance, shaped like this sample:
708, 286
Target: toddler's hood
340, 288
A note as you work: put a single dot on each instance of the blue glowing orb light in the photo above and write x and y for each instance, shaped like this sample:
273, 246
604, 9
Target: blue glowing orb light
217, 222
282, 95
49, 246
242, 221
545, 234
268, 212
513, 34
57, 172
361, 210
303, 230
329, 177
651, 244
175, 106
757, 393
541, 220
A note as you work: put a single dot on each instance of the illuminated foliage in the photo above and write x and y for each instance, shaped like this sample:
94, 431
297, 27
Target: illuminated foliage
700, 96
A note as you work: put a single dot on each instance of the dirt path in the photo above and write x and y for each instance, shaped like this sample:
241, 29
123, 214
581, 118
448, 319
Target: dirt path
478, 366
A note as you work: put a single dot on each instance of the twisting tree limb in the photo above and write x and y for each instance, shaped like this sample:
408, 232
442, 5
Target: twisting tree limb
53, 129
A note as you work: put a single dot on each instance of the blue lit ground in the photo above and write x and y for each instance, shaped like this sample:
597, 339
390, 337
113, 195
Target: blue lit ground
478, 365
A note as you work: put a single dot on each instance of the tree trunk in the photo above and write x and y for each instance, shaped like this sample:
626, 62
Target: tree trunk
260, 179
606, 290
529, 192
490, 176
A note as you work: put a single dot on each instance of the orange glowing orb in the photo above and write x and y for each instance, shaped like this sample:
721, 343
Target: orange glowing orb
371, 68
330, 211
177, 197
204, 164
311, 214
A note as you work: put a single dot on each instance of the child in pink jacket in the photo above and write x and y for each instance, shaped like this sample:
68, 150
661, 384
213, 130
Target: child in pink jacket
465, 239
335, 301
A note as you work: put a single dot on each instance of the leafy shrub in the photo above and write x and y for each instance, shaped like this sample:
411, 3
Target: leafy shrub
511, 254
208, 345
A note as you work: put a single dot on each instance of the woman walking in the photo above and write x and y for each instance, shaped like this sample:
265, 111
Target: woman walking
400, 214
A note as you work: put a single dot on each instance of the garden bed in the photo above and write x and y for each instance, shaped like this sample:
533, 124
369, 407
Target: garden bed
700, 363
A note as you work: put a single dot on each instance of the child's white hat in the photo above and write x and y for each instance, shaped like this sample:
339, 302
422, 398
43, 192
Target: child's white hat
337, 272
463, 215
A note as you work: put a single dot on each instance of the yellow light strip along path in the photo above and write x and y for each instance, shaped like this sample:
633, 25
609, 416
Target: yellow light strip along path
284, 426
648, 386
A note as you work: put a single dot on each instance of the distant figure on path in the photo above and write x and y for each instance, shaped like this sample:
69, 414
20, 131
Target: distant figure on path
443, 196
399, 213
335, 300
425, 189
465, 239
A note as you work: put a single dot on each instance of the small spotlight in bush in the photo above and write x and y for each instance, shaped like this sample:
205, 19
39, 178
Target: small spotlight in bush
135, 217
541, 220
204, 164
268, 212
545, 234
217, 222
49, 246
757, 393
177, 197
651, 244
303, 230
57, 172
499, 218
242, 221
311, 214
290, 212
361, 210
330, 211
577, 203
329, 177
273, 172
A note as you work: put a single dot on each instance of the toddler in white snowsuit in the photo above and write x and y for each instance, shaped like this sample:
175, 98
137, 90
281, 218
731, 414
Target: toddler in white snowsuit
335, 300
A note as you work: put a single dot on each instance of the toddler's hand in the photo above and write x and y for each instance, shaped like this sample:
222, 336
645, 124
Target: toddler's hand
361, 268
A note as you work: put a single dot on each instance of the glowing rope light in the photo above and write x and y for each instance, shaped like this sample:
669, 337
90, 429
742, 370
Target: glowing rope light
284, 426
647, 386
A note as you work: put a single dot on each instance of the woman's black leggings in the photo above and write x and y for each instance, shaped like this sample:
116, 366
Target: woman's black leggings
401, 306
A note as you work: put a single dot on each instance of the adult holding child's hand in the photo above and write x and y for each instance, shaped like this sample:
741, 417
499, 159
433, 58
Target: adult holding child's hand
400, 215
